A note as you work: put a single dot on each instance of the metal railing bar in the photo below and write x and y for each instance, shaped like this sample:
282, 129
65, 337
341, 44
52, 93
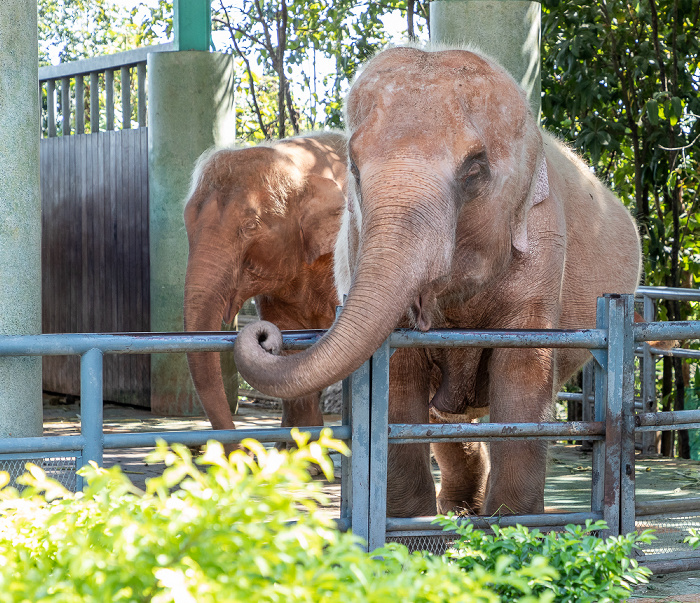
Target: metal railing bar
671, 417
496, 338
665, 506
225, 436
676, 352
651, 331
65, 443
672, 427
670, 566
668, 293
101, 63
53, 344
425, 525
573, 397
436, 432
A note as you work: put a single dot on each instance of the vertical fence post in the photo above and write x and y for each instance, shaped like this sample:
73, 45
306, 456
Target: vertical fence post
141, 94
379, 446
613, 421
624, 320
65, 106
94, 102
109, 99
600, 384
648, 371
360, 421
126, 97
346, 462
51, 106
91, 411
79, 104
619, 427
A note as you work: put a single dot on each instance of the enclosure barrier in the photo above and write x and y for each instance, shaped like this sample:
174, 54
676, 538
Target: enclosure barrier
101, 72
365, 416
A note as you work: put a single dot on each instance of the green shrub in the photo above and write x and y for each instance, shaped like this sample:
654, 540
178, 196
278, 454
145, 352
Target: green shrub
694, 539
243, 530
587, 568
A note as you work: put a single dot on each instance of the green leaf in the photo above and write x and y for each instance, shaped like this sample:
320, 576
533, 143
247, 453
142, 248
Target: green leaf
652, 109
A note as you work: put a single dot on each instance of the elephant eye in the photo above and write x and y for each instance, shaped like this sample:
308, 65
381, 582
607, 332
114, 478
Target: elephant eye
473, 173
249, 226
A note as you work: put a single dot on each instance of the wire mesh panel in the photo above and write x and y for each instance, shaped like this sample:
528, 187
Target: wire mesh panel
670, 531
61, 468
436, 545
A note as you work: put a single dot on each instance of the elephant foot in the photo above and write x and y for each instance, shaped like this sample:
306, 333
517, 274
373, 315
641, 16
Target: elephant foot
458, 507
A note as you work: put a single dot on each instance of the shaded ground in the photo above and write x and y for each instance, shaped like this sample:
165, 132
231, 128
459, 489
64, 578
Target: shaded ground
567, 487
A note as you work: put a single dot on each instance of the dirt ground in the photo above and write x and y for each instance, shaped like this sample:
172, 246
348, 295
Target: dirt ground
567, 487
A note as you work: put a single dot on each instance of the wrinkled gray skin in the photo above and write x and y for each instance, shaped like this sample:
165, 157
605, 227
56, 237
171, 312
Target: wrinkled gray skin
262, 221
462, 213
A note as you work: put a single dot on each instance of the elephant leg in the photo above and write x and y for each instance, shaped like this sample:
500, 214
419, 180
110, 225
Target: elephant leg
464, 470
411, 489
520, 391
301, 412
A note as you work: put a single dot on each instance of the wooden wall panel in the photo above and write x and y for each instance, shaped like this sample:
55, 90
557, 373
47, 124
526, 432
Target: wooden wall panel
95, 268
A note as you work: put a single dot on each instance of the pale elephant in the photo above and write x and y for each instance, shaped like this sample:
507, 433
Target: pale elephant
462, 213
261, 222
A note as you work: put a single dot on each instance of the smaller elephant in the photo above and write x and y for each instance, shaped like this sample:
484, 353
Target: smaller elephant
261, 222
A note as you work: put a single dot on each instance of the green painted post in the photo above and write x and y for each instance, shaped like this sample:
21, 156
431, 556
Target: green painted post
190, 109
20, 215
192, 24
507, 30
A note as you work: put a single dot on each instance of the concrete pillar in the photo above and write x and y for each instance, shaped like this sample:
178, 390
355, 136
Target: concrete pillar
506, 30
190, 109
20, 215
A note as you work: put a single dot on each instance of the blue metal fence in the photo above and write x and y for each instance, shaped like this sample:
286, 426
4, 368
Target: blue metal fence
365, 413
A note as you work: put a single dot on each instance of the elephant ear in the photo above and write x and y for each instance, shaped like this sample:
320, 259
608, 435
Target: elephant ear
320, 217
539, 191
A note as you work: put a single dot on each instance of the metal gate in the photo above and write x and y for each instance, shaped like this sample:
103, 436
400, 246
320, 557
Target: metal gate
365, 418
94, 188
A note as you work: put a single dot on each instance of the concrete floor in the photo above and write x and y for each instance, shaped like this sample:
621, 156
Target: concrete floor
567, 486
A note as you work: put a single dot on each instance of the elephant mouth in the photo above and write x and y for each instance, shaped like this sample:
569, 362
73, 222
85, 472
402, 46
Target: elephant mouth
233, 306
421, 312
425, 310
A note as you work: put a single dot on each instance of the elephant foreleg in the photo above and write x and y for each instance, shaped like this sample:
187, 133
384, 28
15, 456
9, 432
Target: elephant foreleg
302, 412
464, 470
520, 391
411, 489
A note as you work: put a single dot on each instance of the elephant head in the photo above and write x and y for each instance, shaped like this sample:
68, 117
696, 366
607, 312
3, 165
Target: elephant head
446, 162
254, 218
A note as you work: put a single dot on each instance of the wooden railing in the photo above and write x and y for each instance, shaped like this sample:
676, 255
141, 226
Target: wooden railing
68, 106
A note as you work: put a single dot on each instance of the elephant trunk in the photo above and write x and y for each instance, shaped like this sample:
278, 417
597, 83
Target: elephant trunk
205, 303
396, 259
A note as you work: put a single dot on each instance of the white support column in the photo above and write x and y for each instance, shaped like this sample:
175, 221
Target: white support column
20, 215
507, 30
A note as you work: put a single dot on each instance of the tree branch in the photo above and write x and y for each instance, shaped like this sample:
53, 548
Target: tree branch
251, 82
